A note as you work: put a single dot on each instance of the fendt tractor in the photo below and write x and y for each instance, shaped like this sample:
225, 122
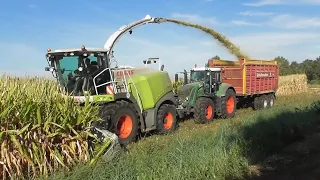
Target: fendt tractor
132, 100
219, 88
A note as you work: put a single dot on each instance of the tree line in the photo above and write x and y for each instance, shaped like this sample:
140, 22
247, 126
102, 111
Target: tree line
310, 67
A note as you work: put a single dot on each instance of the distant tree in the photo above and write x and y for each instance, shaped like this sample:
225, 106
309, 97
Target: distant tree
284, 65
216, 57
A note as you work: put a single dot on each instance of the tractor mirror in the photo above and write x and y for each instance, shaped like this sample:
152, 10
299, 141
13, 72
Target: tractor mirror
176, 77
162, 67
185, 77
49, 69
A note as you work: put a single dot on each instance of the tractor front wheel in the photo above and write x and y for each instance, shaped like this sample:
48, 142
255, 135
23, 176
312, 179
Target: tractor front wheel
122, 119
204, 110
228, 104
166, 119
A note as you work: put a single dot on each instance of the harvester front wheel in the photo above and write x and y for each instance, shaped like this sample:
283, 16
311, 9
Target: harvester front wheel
122, 119
204, 111
228, 104
166, 119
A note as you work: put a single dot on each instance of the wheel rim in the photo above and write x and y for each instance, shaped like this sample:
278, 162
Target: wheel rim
168, 120
209, 112
230, 104
124, 126
271, 102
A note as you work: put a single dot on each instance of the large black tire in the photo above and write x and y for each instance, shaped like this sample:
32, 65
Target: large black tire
265, 101
228, 104
204, 110
257, 103
121, 118
166, 119
271, 100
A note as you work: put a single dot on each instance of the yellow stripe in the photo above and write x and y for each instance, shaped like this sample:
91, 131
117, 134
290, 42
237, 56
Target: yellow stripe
253, 62
244, 78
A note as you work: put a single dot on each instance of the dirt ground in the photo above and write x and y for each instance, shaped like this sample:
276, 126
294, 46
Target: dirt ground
300, 160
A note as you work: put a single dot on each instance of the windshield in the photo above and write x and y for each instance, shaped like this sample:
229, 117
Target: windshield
69, 74
197, 76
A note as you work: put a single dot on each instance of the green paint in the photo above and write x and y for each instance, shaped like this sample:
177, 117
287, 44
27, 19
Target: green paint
196, 91
223, 89
151, 86
103, 98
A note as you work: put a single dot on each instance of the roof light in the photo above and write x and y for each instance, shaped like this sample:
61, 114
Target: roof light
48, 50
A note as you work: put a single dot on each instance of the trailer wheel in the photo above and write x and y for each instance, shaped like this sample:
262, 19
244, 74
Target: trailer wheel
121, 118
204, 110
271, 100
228, 104
265, 101
166, 119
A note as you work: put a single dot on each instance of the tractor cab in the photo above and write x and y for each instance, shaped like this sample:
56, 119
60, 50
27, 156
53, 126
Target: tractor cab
75, 69
210, 77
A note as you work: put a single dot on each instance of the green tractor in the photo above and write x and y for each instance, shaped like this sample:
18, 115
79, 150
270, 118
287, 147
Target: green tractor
204, 96
132, 100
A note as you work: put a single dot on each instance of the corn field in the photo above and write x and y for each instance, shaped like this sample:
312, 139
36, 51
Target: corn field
41, 131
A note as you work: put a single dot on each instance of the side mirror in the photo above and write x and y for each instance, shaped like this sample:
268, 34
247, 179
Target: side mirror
176, 77
49, 69
162, 67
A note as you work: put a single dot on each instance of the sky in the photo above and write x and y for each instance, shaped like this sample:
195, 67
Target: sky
263, 29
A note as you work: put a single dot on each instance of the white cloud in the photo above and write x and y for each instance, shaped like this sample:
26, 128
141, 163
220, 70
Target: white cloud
294, 22
286, 21
254, 13
244, 23
282, 2
269, 45
195, 18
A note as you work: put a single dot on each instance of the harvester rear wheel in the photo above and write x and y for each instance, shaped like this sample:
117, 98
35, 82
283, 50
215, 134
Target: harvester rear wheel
228, 104
166, 119
204, 110
122, 119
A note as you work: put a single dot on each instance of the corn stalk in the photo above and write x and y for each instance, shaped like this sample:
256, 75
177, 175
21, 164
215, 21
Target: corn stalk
40, 131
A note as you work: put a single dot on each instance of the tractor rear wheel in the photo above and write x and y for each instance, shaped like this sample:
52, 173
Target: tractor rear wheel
228, 104
204, 110
166, 119
121, 118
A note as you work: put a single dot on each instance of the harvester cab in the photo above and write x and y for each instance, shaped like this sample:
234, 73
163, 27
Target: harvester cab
132, 100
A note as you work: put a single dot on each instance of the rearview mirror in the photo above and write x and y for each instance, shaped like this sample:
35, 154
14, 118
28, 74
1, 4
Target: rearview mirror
49, 69
176, 77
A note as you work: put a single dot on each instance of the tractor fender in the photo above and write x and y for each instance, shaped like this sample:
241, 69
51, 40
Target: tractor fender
223, 89
151, 114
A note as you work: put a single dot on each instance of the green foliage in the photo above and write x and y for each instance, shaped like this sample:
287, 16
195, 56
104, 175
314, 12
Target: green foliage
177, 85
309, 67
